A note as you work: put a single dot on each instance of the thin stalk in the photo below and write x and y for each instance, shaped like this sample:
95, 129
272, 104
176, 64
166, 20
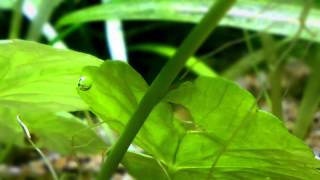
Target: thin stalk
309, 104
115, 39
45, 10
245, 63
247, 39
44, 158
276, 91
64, 34
250, 48
16, 20
308, 4
275, 74
228, 45
161, 84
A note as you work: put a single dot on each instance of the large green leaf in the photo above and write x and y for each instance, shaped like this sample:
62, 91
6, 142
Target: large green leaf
273, 16
224, 137
113, 92
61, 132
240, 140
35, 76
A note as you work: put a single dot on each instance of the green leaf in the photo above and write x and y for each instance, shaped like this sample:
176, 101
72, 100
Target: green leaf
60, 132
278, 17
145, 167
221, 134
10, 130
36, 76
194, 64
7, 4
114, 95
238, 140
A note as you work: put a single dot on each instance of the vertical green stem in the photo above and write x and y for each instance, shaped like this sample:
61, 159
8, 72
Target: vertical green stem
250, 48
64, 34
275, 74
309, 104
245, 63
276, 91
247, 39
161, 84
45, 10
16, 20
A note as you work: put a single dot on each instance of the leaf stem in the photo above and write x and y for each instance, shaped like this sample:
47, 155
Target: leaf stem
309, 103
161, 84
44, 158
45, 10
275, 77
64, 34
16, 20
275, 74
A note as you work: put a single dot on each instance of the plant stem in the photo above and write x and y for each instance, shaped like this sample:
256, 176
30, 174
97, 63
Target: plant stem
247, 39
264, 93
44, 158
275, 74
161, 84
245, 63
275, 77
64, 34
16, 20
45, 10
309, 104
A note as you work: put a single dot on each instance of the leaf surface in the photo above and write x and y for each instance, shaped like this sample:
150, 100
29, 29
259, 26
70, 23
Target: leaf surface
221, 134
243, 141
59, 131
114, 94
273, 16
36, 76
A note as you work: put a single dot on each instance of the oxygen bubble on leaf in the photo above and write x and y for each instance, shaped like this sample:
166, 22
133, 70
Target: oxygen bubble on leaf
84, 83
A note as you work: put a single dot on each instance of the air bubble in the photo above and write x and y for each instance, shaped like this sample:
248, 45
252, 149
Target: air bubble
84, 83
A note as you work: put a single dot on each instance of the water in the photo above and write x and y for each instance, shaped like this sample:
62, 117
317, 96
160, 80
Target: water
85, 83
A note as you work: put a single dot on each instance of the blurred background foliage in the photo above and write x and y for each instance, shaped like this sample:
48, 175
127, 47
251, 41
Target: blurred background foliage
270, 47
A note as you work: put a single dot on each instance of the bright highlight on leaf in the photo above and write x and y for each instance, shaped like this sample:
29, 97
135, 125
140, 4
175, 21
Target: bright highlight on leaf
38, 76
230, 138
273, 16
37, 82
84, 83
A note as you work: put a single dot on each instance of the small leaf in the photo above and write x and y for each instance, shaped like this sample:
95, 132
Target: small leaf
35, 76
